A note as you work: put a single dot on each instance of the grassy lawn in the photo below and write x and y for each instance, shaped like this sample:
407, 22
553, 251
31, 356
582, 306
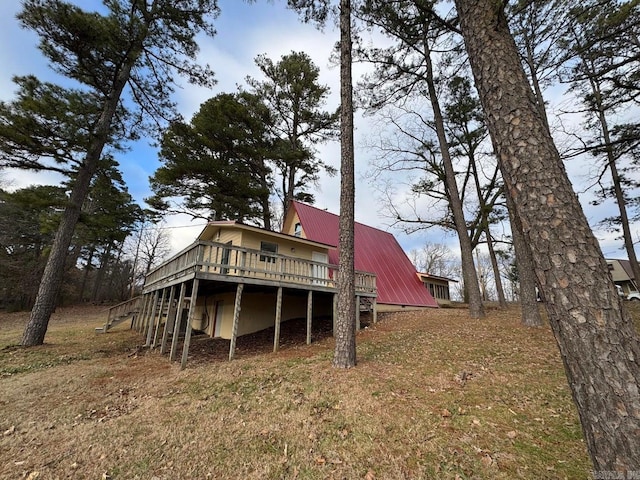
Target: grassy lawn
435, 395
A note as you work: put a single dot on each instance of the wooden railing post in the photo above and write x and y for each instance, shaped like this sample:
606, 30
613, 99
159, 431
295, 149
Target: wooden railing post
165, 330
157, 325
151, 321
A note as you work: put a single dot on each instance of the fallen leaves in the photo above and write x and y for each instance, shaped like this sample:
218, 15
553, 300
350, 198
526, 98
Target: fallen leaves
401, 413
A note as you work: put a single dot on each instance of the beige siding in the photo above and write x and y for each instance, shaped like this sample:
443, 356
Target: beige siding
224, 235
290, 248
228, 235
290, 224
258, 312
618, 273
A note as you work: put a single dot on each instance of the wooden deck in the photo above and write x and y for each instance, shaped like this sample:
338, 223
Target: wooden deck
221, 262
172, 289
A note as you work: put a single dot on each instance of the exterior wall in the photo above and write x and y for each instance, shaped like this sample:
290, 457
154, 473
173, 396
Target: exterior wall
289, 226
226, 235
257, 312
620, 277
438, 290
297, 254
290, 248
618, 273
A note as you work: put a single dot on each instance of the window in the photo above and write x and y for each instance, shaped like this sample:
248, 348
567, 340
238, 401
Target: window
297, 230
270, 248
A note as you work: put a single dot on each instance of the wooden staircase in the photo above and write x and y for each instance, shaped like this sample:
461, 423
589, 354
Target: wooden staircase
127, 310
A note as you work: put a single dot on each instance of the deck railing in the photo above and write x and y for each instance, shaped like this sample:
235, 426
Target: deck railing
213, 258
122, 311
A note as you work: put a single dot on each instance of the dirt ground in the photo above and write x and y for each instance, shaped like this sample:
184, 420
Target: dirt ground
435, 395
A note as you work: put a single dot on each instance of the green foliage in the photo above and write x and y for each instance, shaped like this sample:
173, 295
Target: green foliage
296, 102
28, 220
48, 127
241, 148
158, 37
134, 47
217, 162
109, 211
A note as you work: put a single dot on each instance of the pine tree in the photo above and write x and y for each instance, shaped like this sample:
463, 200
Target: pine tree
598, 341
137, 46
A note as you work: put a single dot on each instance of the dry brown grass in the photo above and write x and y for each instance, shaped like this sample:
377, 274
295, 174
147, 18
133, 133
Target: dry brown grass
434, 395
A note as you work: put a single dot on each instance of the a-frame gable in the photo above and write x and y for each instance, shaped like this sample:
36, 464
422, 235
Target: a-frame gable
376, 251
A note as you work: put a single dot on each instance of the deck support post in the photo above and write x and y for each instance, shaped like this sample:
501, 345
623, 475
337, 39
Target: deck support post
236, 320
151, 320
159, 319
177, 322
334, 314
357, 313
374, 308
170, 311
145, 311
187, 335
309, 315
135, 322
276, 336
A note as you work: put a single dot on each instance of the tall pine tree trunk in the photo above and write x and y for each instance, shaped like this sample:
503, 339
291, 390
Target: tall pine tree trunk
469, 273
345, 325
598, 342
502, 301
615, 177
51, 280
526, 272
88, 267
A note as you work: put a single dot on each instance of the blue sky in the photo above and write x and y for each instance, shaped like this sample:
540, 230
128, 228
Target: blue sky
244, 31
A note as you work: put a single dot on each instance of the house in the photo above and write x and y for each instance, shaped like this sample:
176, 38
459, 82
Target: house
438, 287
237, 279
376, 251
622, 275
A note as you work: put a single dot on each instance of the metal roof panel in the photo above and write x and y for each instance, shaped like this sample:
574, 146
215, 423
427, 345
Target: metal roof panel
376, 251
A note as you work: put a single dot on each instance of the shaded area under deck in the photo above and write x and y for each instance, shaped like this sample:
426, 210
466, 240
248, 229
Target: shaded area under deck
173, 295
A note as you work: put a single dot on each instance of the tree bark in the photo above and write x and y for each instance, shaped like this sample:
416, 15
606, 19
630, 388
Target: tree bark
598, 342
345, 324
615, 175
88, 267
51, 279
526, 271
502, 301
472, 288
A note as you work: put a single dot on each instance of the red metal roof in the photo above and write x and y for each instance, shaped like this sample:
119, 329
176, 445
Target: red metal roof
376, 251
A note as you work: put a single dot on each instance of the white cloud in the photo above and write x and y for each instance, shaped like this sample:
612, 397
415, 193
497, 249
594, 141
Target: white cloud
183, 230
244, 31
15, 179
